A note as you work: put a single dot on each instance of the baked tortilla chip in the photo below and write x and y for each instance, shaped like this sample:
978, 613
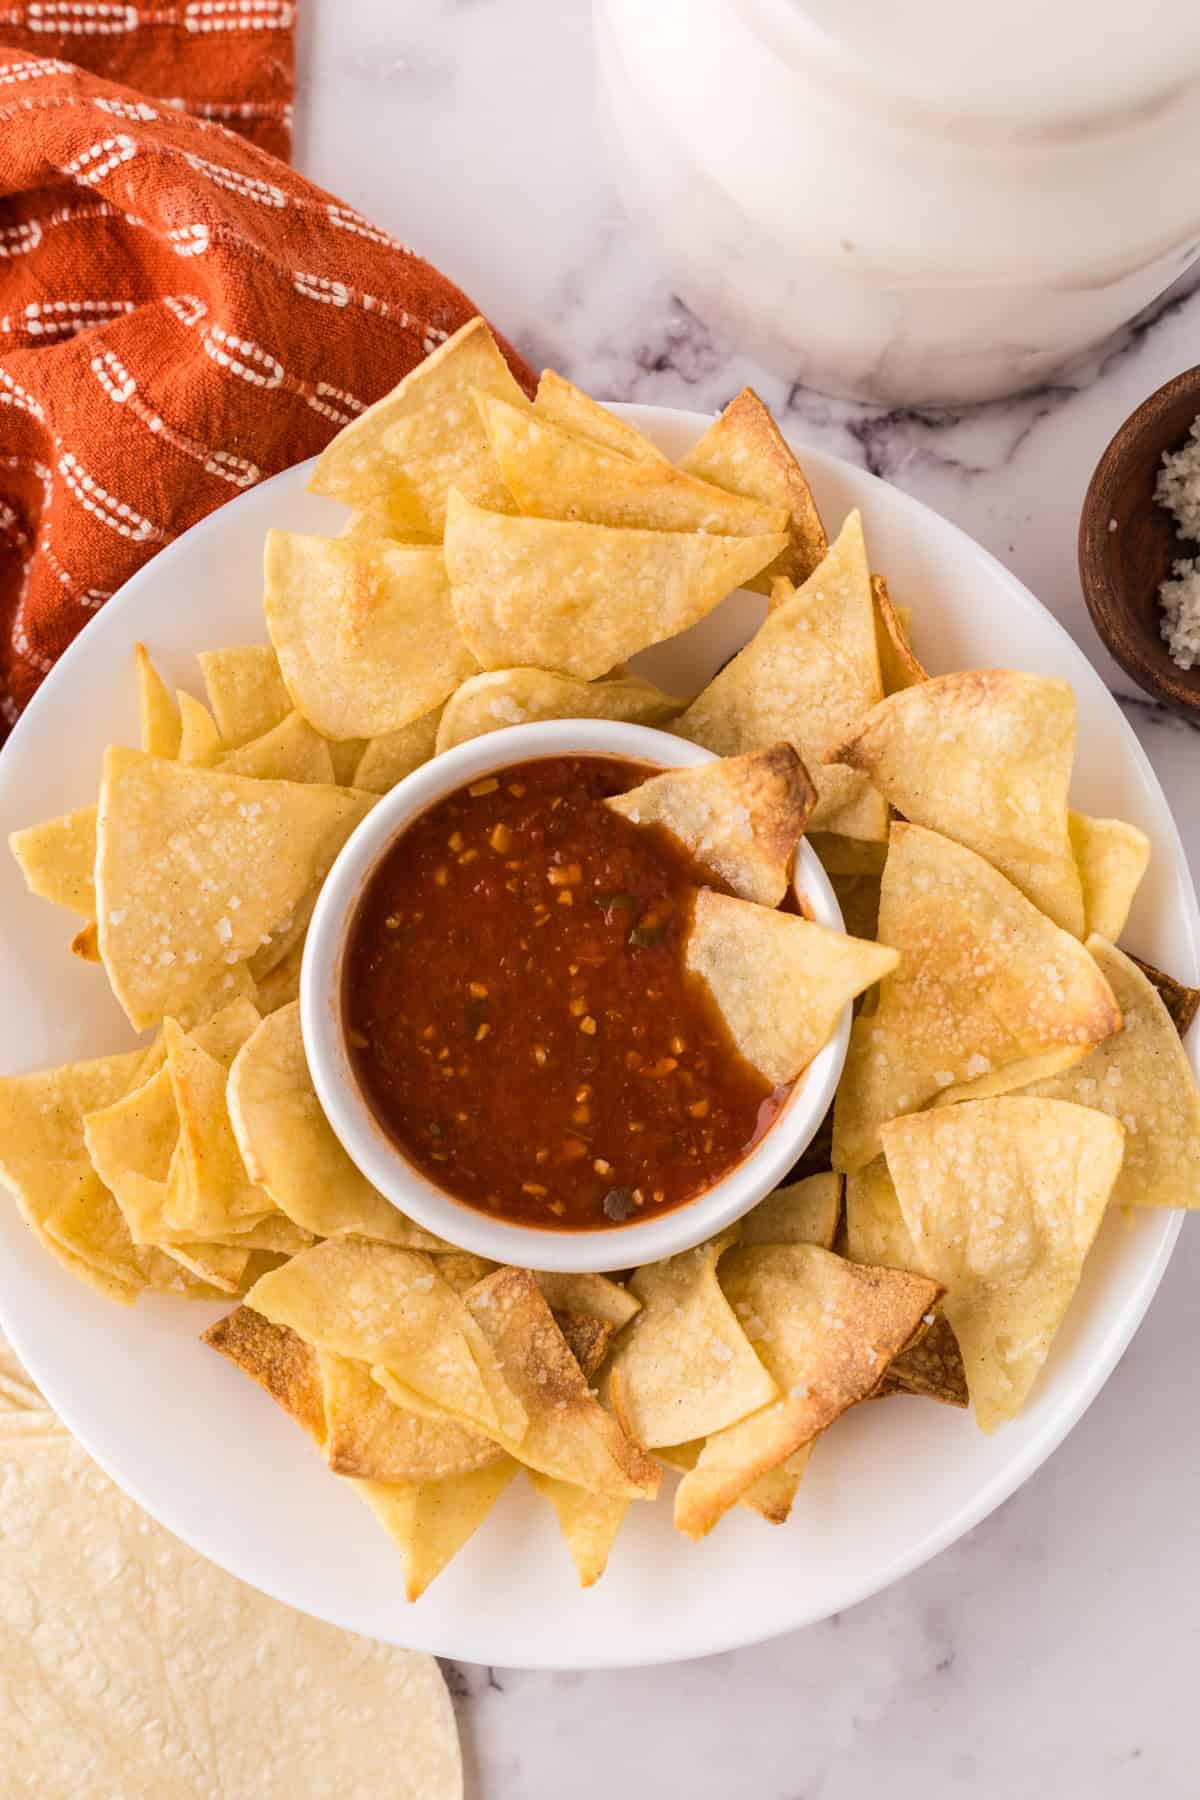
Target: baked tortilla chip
58, 860
290, 1149
740, 816
199, 739
391, 1309
1142, 1077
569, 1435
826, 1331
587, 1293
560, 401
897, 662
932, 1368
246, 692
424, 437
289, 751
158, 714
131, 1143
589, 1340
780, 982
806, 678
579, 598
589, 1523
388, 759
1002, 1199
985, 982
1181, 1002
805, 1212
212, 1192
1112, 857
194, 867
371, 1438
502, 697
279, 1360
684, 1368
365, 633
745, 452
553, 474
984, 757
430, 1522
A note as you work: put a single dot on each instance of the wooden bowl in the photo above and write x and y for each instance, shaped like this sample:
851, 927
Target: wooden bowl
1121, 564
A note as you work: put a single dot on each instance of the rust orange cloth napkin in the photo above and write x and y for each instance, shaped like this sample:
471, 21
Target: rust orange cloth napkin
181, 314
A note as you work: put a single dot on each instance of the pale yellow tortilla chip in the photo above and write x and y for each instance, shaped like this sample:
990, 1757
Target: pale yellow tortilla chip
213, 1191
289, 1147
554, 474
194, 867
158, 714
219, 1266
365, 633
739, 816
579, 598
773, 1494
388, 759
875, 1230
58, 860
1142, 1077
378, 519
897, 662
246, 692
131, 1143
425, 436
826, 1331
984, 757
804, 1212
503, 697
1002, 1199
806, 678
589, 1523
569, 1435
560, 401
289, 751
780, 982
430, 1522
985, 980
280, 985
389, 1308
684, 1367
583, 1292
371, 1438
1112, 858
199, 739
745, 451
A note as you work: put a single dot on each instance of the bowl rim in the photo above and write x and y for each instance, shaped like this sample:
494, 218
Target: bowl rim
383, 1162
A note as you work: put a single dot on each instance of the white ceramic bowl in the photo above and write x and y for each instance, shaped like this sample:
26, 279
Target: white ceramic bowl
384, 1164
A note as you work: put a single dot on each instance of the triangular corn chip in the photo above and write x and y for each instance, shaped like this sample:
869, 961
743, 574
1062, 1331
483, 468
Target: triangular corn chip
245, 691
805, 1212
279, 1360
199, 739
194, 867
1112, 857
589, 1523
391, 1309
157, 712
388, 759
131, 1143
88, 1225
289, 751
984, 757
378, 519
219, 1266
772, 1495
985, 980
739, 816
425, 436
779, 981
569, 1435
553, 474
805, 678
1143, 1078
365, 633
371, 1438
564, 404
58, 859
897, 662
875, 1230
684, 1368
213, 1192
563, 595
826, 1331
745, 452
502, 697
289, 1147
587, 1293
430, 1523
1002, 1199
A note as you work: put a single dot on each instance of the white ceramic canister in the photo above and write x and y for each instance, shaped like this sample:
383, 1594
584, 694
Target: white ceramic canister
909, 201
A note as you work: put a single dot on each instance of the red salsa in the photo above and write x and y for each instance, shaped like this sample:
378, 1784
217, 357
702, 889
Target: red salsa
518, 1012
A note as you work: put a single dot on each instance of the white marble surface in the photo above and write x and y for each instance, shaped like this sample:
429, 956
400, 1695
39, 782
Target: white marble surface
1053, 1649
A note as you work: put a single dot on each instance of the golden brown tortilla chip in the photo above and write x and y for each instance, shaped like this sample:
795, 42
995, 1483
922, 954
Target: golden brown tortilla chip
984, 981
58, 858
578, 598
805, 1212
932, 1368
1112, 858
589, 1523
780, 982
984, 757
502, 697
157, 712
745, 451
388, 759
1002, 1199
589, 1340
897, 662
584, 1292
560, 401
739, 816
806, 678
245, 692
279, 1360
371, 1438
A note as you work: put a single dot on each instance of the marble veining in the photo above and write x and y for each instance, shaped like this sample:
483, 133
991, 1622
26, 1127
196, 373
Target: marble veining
1051, 1650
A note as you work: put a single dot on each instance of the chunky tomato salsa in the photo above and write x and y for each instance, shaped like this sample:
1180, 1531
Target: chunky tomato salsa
519, 1015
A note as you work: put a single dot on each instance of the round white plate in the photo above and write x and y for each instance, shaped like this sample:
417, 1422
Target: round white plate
211, 1457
